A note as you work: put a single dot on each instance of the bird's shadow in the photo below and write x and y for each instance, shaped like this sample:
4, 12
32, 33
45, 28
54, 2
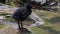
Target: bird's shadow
24, 31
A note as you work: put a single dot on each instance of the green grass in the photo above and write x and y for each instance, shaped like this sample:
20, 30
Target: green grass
52, 23
1, 26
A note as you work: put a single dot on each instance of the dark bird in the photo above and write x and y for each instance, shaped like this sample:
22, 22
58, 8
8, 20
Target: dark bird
21, 14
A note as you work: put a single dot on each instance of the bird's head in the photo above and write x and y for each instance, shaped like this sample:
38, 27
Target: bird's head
28, 6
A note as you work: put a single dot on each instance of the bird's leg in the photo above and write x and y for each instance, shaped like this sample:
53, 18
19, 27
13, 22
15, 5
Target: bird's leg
19, 25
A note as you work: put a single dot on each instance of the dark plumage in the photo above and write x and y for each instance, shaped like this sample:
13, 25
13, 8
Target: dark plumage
22, 13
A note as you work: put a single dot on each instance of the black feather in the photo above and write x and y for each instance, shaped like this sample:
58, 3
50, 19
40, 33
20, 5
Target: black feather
22, 13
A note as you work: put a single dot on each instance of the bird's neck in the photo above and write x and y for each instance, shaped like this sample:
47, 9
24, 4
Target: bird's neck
28, 9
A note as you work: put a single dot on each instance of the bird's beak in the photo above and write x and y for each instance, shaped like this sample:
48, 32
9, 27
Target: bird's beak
33, 7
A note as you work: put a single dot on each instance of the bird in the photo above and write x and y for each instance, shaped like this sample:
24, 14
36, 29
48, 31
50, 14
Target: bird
21, 14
